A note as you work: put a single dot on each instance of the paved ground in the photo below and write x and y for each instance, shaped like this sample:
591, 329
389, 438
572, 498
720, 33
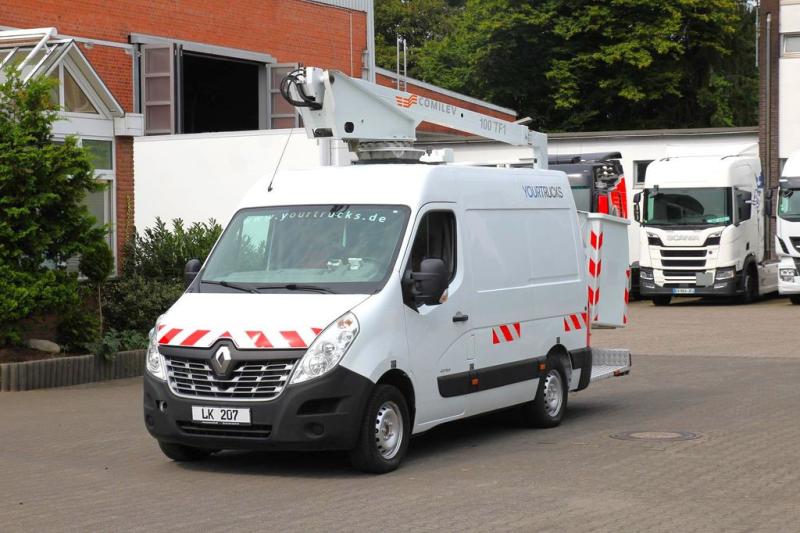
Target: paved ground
79, 458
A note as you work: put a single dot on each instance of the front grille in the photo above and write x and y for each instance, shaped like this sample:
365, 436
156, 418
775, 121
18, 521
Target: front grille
682, 273
795, 243
250, 380
256, 431
683, 262
683, 253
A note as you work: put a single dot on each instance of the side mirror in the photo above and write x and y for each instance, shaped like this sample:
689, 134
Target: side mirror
637, 214
190, 271
427, 286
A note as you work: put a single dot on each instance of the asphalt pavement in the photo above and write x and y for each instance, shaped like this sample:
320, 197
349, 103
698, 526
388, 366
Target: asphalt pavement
726, 376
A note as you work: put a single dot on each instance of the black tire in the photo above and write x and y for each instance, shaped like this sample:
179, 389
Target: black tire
540, 413
369, 455
181, 453
750, 294
795, 299
662, 300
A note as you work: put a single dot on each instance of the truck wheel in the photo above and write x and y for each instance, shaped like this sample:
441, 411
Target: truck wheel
181, 453
662, 300
795, 299
750, 294
547, 409
385, 432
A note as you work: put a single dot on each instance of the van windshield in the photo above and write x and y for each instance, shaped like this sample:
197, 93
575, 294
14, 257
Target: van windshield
702, 206
347, 249
789, 205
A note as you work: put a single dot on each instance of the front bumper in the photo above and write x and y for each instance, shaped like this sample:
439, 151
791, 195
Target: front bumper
729, 287
323, 414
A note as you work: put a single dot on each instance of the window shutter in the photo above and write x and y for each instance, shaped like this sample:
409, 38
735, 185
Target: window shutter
158, 89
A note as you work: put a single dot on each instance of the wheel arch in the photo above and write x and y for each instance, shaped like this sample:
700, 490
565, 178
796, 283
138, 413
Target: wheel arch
560, 353
399, 379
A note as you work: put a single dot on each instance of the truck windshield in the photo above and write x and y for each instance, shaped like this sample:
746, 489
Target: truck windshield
789, 205
315, 248
702, 206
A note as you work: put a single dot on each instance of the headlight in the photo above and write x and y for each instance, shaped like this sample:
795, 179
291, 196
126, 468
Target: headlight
646, 274
725, 273
788, 274
327, 349
154, 362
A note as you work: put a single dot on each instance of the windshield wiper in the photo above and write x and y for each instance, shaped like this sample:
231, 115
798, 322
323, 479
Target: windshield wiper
231, 286
298, 287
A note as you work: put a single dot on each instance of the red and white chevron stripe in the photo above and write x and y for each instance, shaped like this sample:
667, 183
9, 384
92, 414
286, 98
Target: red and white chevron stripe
243, 339
506, 333
576, 322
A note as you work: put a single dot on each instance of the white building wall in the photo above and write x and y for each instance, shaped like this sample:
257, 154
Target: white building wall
202, 176
789, 75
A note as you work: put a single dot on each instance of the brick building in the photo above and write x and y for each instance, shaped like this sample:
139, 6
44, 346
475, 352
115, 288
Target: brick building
195, 66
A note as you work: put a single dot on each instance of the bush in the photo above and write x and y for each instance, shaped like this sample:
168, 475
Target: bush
97, 264
77, 330
161, 253
118, 341
135, 302
43, 221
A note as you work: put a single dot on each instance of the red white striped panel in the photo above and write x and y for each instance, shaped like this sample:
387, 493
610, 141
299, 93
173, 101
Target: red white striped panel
243, 339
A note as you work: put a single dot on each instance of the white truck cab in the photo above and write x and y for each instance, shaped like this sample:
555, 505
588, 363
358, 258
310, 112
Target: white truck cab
703, 229
788, 231
351, 307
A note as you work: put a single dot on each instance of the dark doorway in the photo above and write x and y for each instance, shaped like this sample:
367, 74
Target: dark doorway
219, 94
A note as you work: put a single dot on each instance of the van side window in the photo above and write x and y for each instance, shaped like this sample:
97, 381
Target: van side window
436, 239
742, 207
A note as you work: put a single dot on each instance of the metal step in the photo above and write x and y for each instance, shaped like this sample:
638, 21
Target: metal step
609, 363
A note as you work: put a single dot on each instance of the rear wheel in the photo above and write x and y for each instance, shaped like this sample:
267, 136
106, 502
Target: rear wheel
385, 432
750, 293
662, 300
181, 453
547, 409
795, 299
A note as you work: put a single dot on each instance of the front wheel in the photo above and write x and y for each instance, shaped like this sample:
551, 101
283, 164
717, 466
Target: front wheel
750, 294
547, 409
181, 453
662, 300
385, 432
795, 299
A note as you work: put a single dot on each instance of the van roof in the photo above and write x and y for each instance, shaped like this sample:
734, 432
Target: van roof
413, 185
703, 171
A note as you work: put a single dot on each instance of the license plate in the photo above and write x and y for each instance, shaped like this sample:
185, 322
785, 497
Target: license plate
221, 415
683, 291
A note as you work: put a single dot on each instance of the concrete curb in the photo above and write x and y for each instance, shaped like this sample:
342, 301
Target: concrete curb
64, 371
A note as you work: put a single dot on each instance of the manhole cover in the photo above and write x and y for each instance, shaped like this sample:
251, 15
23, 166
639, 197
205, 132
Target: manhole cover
658, 436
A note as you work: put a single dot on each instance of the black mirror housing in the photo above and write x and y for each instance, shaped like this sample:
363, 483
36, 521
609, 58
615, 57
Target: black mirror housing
427, 286
190, 271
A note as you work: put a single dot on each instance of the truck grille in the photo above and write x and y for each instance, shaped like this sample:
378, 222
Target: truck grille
250, 380
680, 266
795, 243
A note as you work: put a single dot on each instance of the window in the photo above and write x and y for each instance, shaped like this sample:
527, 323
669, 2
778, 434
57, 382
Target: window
640, 170
791, 44
282, 113
157, 82
436, 239
743, 208
101, 153
75, 99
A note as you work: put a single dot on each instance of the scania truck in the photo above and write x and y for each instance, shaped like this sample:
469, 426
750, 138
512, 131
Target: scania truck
704, 229
347, 308
788, 232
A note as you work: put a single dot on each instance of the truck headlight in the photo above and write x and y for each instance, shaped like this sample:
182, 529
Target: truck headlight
327, 349
646, 274
788, 274
153, 361
725, 273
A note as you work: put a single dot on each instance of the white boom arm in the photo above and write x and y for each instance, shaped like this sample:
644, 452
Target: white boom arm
333, 104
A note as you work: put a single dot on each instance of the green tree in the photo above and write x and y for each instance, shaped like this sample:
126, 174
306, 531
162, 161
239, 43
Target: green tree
43, 221
603, 64
418, 21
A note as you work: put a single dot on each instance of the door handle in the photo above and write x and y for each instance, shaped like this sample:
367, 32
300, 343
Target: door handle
459, 317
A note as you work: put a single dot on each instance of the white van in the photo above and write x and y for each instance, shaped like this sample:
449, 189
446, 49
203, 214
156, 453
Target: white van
349, 308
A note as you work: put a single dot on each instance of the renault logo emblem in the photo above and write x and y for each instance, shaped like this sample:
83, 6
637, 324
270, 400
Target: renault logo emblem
221, 360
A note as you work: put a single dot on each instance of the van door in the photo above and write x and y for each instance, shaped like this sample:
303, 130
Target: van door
438, 335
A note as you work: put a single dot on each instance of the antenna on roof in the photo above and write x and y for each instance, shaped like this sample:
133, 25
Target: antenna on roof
275, 172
